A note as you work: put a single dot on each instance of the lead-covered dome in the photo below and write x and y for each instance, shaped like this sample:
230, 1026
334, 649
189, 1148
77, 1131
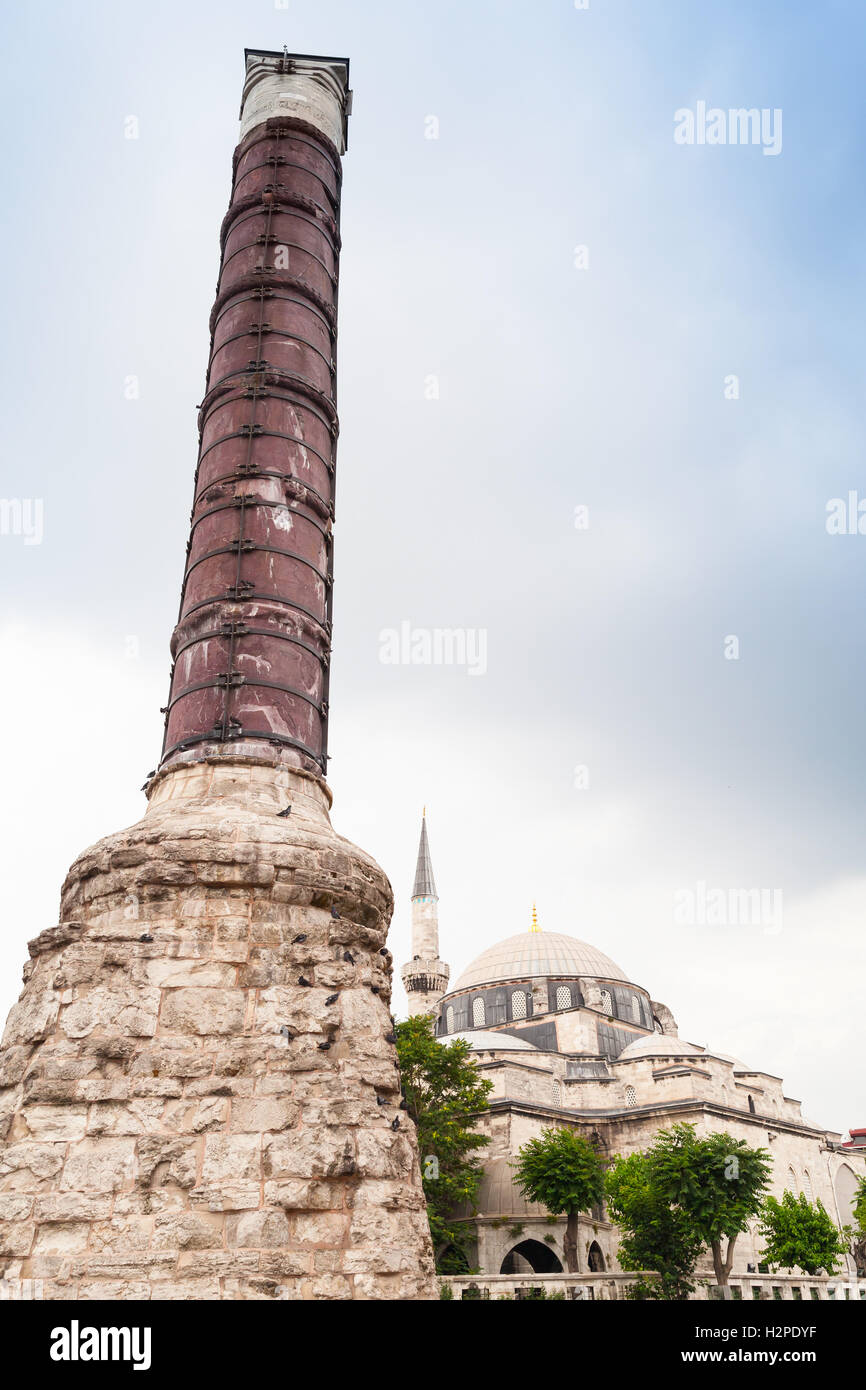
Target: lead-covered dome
660, 1045
539, 953
484, 1040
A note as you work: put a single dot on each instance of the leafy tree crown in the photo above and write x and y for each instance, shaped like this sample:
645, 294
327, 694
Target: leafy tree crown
444, 1094
718, 1180
561, 1170
801, 1235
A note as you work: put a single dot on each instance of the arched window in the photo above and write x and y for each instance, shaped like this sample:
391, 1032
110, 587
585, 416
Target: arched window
556, 1094
792, 1181
563, 997
518, 1004
751, 1106
630, 1096
845, 1184
449, 1019
478, 1017
807, 1185
596, 1258
607, 1003
635, 1009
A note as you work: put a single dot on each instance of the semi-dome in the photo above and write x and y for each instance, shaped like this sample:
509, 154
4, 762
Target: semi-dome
538, 953
484, 1039
499, 1195
660, 1045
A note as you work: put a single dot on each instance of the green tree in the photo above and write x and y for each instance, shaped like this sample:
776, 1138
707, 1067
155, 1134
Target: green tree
717, 1183
800, 1235
656, 1235
858, 1235
564, 1173
443, 1094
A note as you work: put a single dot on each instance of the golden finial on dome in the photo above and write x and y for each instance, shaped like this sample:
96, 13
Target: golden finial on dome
535, 926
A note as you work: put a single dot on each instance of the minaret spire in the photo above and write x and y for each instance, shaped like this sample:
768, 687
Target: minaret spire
425, 884
425, 976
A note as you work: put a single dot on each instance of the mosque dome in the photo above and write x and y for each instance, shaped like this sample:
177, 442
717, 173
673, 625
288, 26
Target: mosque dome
538, 953
483, 1039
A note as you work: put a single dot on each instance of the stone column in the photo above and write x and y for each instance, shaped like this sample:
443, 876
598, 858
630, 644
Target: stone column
253, 640
199, 1094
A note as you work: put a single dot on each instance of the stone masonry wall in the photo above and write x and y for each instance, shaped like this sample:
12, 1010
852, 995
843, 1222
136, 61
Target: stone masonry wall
199, 1094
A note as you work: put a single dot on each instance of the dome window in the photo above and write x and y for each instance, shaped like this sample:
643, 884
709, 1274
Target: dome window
630, 1097
449, 1019
563, 997
478, 1015
556, 1094
518, 1004
607, 1003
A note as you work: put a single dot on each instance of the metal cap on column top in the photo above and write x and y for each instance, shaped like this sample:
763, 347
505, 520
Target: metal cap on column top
252, 644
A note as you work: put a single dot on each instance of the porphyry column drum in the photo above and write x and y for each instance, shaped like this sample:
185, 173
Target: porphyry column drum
199, 1093
252, 644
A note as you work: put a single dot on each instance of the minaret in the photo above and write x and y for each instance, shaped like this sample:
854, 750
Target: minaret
199, 1090
425, 976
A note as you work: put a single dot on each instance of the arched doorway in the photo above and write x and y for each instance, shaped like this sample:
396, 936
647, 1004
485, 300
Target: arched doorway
596, 1258
531, 1257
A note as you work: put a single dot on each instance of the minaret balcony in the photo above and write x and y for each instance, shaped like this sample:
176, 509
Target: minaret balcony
425, 975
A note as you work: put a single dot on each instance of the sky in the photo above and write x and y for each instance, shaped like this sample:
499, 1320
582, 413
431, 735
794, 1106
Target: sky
598, 388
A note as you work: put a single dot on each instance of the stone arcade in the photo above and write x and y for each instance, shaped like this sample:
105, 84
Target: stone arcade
199, 1095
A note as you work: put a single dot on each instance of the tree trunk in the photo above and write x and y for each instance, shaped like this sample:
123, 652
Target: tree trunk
729, 1258
569, 1245
722, 1267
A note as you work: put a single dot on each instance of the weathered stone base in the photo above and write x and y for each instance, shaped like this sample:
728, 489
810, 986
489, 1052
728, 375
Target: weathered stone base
199, 1095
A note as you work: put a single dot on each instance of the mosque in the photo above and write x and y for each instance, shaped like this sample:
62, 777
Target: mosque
566, 1036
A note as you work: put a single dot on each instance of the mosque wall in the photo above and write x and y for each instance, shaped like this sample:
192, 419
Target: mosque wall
620, 1103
